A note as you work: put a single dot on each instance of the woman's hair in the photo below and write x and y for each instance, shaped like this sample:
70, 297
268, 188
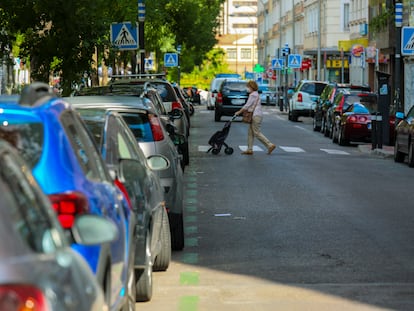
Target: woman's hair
253, 85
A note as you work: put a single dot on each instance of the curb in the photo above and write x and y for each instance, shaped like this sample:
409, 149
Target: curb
385, 152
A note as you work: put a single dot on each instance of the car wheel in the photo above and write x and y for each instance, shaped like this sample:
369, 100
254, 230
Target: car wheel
411, 155
177, 231
341, 140
144, 277
315, 127
131, 287
217, 115
162, 261
334, 134
398, 155
186, 153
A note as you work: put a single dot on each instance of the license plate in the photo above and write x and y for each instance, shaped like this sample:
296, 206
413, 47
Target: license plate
369, 126
237, 101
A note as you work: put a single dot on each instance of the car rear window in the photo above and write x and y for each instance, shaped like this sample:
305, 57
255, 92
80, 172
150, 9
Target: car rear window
139, 125
313, 88
26, 137
234, 87
166, 91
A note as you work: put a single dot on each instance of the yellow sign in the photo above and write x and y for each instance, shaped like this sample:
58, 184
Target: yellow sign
336, 63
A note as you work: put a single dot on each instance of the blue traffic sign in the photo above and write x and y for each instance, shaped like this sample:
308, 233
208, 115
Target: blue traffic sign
294, 61
124, 36
278, 63
170, 59
407, 40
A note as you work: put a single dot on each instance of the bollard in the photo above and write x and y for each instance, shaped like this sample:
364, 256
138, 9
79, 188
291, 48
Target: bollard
379, 130
373, 131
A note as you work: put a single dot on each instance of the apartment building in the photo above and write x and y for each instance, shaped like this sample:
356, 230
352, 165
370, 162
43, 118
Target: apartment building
237, 34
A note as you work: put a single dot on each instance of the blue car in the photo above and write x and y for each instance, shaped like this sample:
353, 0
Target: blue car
67, 165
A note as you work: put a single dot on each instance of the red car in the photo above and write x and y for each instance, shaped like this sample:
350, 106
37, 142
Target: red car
354, 125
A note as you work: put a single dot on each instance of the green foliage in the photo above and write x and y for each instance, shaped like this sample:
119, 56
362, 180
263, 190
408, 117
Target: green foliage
62, 35
381, 21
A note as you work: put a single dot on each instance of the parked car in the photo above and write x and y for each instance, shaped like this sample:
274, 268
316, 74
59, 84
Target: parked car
232, 95
304, 98
343, 99
268, 94
54, 141
34, 245
404, 138
148, 91
214, 89
171, 102
353, 125
121, 151
148, 130
326, 100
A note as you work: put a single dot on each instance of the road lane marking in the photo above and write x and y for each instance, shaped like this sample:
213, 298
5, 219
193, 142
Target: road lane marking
189, 278
335, 151
188, 303
291, 149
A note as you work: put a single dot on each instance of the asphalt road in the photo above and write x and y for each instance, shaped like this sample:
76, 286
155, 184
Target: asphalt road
313, 226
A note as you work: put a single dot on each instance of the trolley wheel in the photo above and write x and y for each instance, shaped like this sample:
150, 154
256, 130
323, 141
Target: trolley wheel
229, 150
215, 151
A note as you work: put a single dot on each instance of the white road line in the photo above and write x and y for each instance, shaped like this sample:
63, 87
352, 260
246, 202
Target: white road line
301, 128
334, 151
291, 149
255, 148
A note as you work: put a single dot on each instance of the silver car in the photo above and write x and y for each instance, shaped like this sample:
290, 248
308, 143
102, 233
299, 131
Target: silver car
148, 129
37, 265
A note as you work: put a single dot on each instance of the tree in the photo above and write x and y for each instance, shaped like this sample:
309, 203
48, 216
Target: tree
63, 35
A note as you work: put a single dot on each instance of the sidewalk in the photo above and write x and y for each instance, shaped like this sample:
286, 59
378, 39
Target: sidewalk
386, 151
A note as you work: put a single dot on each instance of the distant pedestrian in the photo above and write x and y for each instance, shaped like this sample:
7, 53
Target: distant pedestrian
254, 102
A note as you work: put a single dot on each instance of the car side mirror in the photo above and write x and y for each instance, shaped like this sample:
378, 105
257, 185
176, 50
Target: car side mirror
176, 114
158, 162
91, 229
170, 129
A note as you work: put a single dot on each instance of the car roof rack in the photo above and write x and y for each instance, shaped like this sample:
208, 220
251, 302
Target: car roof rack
140, 76
33, 92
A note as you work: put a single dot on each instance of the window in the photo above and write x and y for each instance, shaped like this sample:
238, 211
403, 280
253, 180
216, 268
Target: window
29, 214
84, 148
345, 12
246, 53
231, 54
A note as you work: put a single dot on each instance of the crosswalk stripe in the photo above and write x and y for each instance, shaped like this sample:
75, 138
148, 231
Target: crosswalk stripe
204, 148
291, 149
334, 151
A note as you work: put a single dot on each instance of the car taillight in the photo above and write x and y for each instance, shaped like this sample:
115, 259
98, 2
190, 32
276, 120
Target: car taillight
121, 187
68, 205
300, 97
352, 119
176, 105
219, 98
156, 128
22, 298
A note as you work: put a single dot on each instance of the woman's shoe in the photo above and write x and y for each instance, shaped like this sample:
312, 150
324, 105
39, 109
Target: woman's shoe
249, 152
271, 148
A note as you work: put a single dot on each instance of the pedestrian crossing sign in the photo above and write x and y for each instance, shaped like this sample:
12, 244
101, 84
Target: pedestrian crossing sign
277, 63
170, 59
124, 36
407, 41
294, 61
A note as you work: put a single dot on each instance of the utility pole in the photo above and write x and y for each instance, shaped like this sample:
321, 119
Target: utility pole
141, 23
397, 74
318, 76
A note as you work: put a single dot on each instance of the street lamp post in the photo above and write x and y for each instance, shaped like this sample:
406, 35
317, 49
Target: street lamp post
141, 21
